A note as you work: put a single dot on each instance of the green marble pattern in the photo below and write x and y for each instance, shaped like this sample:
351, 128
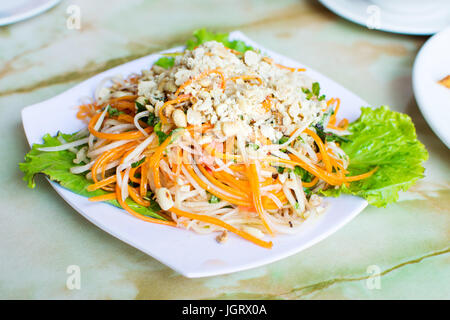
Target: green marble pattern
41, 235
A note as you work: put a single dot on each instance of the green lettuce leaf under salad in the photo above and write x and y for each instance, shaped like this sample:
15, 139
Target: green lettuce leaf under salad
385, 139
379, 138
56, 165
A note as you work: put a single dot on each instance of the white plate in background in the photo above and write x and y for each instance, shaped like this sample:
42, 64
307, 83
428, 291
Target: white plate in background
433, 64
12, 11
388, 17
188, 253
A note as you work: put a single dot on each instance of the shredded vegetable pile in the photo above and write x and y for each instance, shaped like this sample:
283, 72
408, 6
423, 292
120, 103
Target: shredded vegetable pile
220, 138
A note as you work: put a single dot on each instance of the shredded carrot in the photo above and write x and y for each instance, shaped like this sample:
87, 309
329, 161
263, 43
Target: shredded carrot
234, 51
343, 124
125, 206
217, 193
144, 179
310, 184
86, 110
154, 161
179, 99
124, 105
314, 170
361, 176
237, 167
220, 185
247, 77
267, 103
133, 177
269, 204
270, 61
332, 120
256, 191
100, 160
123, 98
103, 197
137, 198
201, 76
322, 148
101, 183
244, 186
220, 223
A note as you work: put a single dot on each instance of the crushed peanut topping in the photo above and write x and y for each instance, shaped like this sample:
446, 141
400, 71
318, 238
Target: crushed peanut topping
235, 93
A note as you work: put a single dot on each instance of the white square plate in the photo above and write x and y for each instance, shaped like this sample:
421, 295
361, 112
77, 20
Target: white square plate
433, 64
186, 252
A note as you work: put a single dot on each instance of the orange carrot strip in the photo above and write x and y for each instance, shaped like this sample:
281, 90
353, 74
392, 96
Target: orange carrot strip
267, 103
103, 197
179, 99
217, 193
219, 184
123, 98
256, 192
247, 77
270, 61
133, 177
269, 204
323, 150
137, 198
234, 51
201, 76
316, 171
137, 215
222, 224
100, 160
332, 120
144, 179
101, 183
124, 105
331, 126
237, 167
244, 186
343, 124
310, 184
154, 161
361, 176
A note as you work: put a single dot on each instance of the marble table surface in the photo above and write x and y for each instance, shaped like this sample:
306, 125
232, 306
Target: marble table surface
41, 236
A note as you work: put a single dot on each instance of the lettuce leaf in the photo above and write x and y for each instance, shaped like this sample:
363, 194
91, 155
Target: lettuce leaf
385, 139
165, 62
56, 165
202, 35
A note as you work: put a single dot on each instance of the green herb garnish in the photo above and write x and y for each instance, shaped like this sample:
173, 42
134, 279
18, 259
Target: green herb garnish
138, 163
314, 93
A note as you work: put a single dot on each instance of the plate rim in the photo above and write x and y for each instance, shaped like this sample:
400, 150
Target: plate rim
361, 203
342, 11
28, 14
428, 113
